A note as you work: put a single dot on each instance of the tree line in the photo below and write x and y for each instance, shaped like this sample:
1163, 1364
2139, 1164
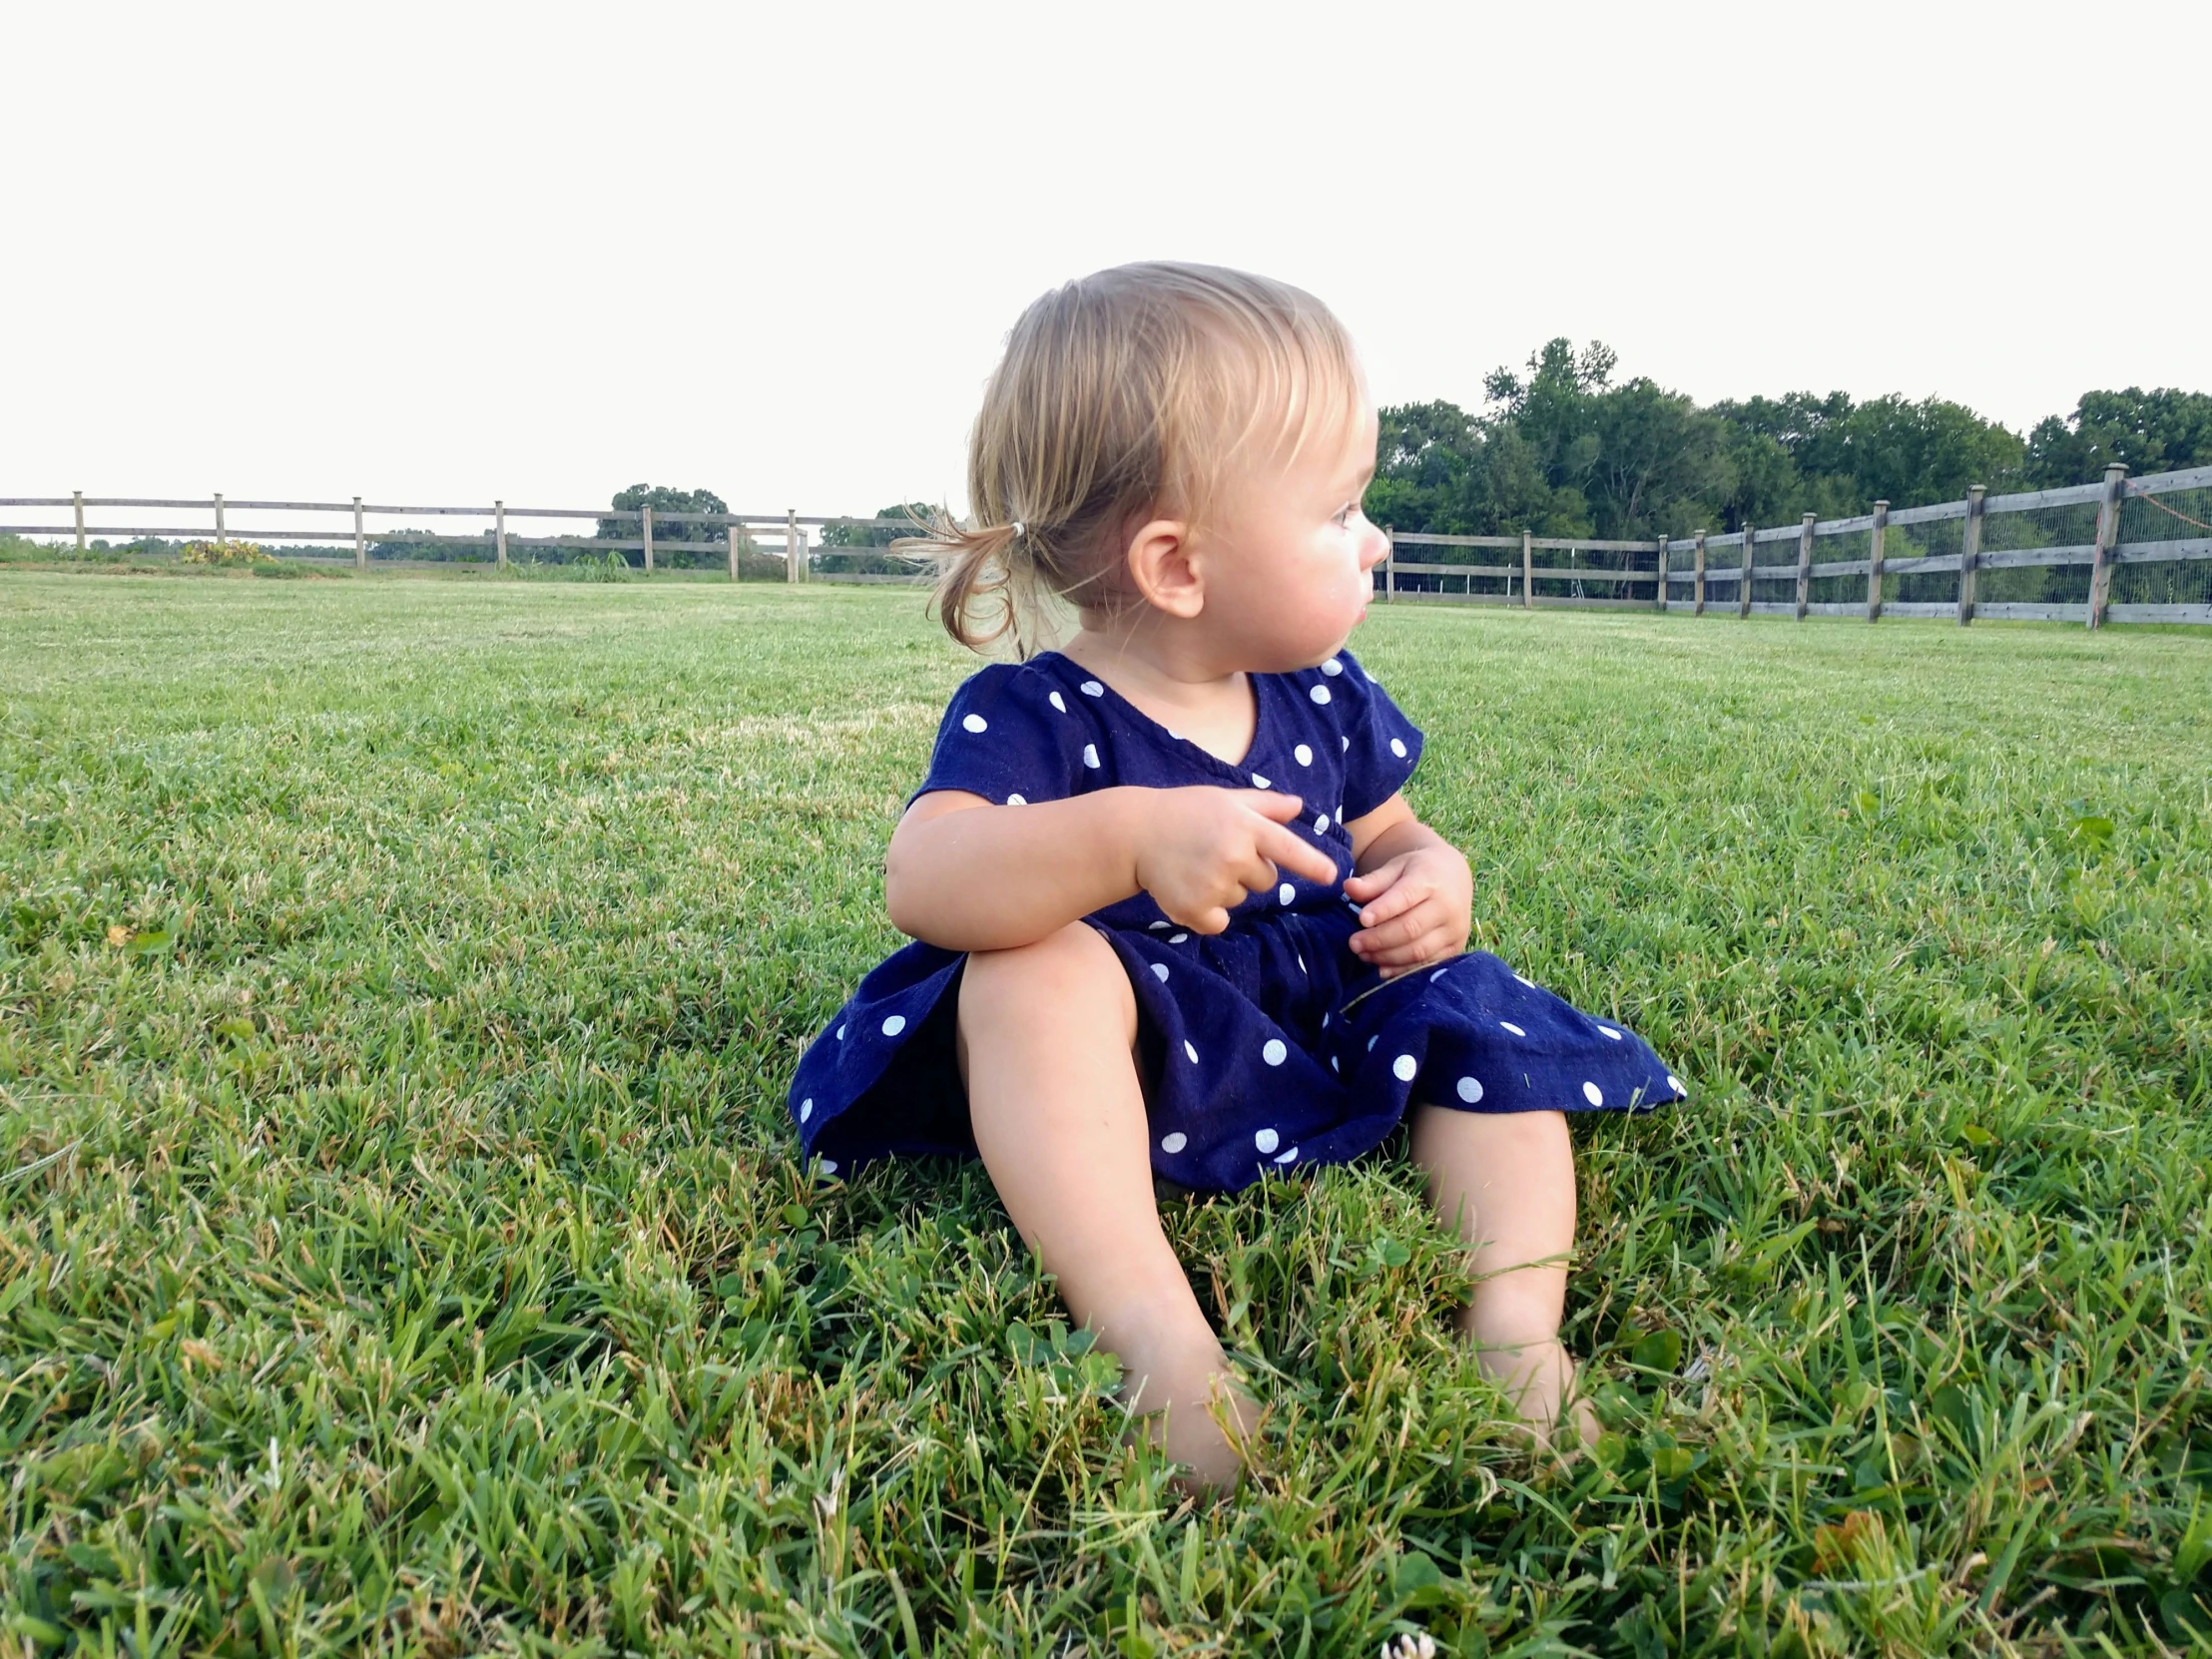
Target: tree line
1564, 447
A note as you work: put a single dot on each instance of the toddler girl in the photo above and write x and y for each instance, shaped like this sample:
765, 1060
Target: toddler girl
1172, 916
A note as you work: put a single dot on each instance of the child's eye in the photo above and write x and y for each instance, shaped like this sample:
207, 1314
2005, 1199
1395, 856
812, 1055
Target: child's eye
1343, 514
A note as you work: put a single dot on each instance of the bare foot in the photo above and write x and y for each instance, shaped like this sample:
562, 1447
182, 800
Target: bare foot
1177, 1398
1541, 1380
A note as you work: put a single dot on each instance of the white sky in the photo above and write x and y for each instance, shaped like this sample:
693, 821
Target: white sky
445, 252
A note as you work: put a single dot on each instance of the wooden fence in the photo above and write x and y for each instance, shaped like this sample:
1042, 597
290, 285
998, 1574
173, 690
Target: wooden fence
743, 533
2119, 550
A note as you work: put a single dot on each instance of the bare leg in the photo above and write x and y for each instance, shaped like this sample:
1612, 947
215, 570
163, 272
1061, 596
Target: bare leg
1046, 1035
1505, 1181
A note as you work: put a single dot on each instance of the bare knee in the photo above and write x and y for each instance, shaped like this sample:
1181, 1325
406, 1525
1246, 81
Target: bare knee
1072, 974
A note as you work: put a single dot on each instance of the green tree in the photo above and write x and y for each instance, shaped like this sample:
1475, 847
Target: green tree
2152, 431
910, 517
676, 542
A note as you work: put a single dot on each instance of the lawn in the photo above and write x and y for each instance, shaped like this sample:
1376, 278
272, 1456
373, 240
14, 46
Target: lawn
401, 1248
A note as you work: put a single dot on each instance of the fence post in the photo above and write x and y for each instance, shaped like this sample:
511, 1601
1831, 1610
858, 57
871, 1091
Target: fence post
1389, 563
1528, 572
2108, 536
219, 522
1743, 598
646, 521
1804, 565
790, 544
1698, 587
360, 542
1874, 538
78, 496
1970, 552
499, 516
733, 576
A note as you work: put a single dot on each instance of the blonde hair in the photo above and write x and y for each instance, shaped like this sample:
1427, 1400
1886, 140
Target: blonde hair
1121, 395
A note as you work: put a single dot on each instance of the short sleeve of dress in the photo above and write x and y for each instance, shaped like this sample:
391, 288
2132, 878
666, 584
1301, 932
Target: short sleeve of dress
1380, 746
1004, 739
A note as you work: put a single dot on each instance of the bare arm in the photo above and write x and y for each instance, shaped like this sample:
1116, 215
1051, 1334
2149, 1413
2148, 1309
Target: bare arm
968, 876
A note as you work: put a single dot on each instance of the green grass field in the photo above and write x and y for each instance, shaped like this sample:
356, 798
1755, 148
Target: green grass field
401, 1249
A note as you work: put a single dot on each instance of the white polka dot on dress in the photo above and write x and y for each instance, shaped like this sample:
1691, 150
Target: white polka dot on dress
1439, 974
895, 1025
1372, 1041
1192, 1052
977, 723
1267, 1140
1319, 694
1675, 1083
1304, 754
1091, 688
1470, 1090
1321, 825
840, 1034
1286, 894
1090, 756
828, 1166
1160, 972
1177, 939
1175, 1142
1510, 1026
1346, 743
1257, 782
1276, 1052
1160, 925
1285, 1157
1593, 1094
1332, 668
1403, 1069
1017, 801
1397, 747
806, 1109
1610, 1032
1059, 703
1530, 983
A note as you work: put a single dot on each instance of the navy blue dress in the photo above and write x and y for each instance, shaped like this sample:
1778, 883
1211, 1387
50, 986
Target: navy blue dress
1266, 1047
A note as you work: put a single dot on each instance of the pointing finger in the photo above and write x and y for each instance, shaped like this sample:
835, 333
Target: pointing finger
1299, 857
1272, 803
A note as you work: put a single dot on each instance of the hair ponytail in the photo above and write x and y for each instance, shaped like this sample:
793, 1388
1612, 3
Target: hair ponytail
986, 586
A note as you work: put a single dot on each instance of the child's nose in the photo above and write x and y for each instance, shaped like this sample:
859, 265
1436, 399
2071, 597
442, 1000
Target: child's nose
1375, 547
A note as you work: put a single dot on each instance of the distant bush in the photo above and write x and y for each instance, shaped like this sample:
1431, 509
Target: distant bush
227, 553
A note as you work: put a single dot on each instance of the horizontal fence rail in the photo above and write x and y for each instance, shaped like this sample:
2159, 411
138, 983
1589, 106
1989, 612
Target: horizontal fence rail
2119, 550
797, 541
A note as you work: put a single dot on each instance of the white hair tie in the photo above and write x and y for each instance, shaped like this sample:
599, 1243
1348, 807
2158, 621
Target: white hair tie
1020, 529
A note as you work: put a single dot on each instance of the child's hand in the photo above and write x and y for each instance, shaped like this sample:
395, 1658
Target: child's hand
1416, 907
1202, 849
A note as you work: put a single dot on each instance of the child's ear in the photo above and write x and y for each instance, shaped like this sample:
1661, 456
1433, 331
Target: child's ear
1162, 569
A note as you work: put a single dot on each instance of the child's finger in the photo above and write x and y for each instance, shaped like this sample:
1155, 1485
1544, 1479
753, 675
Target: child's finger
1395, 902
1272, 803
1299, 857
1396, 934
1257, 874
1427, 949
